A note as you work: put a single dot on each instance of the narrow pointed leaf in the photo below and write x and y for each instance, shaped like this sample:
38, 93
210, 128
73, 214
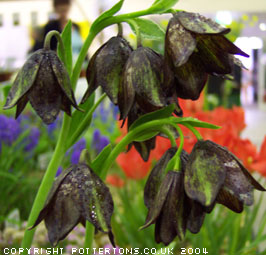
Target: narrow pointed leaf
145, 136
147, 28
113, 10
78, 116
98, 162
66, 36
159, 114
160, 6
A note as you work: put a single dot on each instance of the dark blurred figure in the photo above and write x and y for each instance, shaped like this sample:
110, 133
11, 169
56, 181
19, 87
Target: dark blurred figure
61, 9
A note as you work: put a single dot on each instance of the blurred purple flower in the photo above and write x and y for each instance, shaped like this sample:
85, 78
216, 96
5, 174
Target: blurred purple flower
99, 141
9, 129
115, 111
77, 149
59, 171
33, 139
103, 113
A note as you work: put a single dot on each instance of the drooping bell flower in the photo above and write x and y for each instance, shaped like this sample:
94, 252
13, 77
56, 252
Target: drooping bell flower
44, 81
168, 205
215, 175
77, 195
195, 47
106, 66
142, 82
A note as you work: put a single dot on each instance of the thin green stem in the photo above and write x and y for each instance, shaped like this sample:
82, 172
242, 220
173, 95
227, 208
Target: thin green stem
193, 130
46, 184
169, 134
137, 31
82, 56
85, 122
47, 43
89, 234
98, 26
152, 125
180, 148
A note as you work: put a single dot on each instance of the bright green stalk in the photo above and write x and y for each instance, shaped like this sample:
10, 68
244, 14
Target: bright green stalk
46, 184
89, 234
55, 161
152, 125
85, 122
194, 131
47, 43
169, 134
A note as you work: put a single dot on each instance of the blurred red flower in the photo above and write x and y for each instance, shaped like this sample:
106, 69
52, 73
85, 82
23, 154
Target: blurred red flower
115, 180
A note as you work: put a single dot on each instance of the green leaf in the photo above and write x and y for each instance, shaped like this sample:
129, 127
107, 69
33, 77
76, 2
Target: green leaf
67, 41
97, 163
78, 116
113, 10
147, 28
146, 136
194, 122
160, 6
160, 114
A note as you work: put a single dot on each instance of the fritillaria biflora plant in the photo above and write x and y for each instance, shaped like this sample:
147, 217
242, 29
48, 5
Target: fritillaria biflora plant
145, 85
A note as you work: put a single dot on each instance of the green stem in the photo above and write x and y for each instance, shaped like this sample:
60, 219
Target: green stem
193, 130
98, 26
82, 56
137, 30
180, 148
151, 125
170, 136
85, 122
89, 236
46, 184
47, 43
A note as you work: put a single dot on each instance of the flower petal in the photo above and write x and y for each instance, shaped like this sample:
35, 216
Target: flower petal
25, 79
197, 23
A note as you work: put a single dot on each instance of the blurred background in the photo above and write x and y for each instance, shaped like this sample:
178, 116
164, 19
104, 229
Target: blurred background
239, 106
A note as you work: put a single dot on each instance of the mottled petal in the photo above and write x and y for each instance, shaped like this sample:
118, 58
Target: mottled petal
62, 77
190, 78
199, 24
226, 198
45, 94
143, 72
204, 174
96, 200
196, 216
179, 42
21, 105
214, 59
155, 178
24, 80
159, 201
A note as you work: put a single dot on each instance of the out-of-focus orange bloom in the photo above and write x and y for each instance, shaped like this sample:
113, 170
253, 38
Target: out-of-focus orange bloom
259, 163
133, 165
115, 180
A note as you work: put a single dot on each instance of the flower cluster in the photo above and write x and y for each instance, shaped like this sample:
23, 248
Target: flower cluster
178, 199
